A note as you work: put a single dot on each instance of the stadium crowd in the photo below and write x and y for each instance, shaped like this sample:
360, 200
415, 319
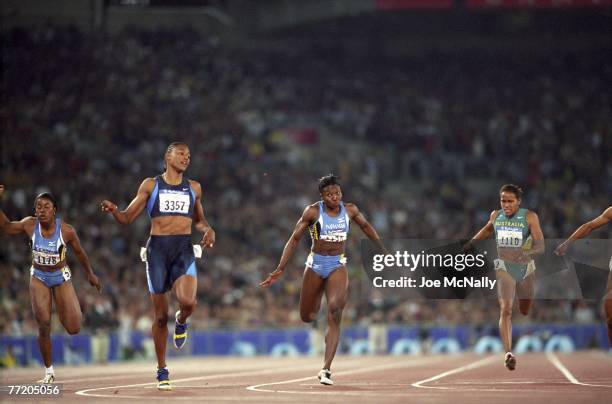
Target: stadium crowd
88, 116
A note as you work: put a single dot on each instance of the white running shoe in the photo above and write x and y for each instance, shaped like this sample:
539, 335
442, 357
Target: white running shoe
325, 377
48, 379
510, 361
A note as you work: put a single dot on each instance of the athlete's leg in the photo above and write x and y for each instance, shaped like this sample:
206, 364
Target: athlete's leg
185, 289
525, 292
67, 307
310, 295
160, 326
505, 295
336, 289
41, 306
608, 307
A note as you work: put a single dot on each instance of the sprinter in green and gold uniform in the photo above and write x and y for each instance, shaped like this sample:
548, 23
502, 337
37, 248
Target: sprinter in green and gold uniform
518, 238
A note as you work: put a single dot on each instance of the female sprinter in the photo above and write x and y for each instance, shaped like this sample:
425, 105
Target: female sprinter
518, 237
49, 274
328, 223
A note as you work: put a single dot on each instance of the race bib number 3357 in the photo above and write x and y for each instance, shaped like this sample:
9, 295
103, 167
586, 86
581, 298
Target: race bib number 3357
173, 203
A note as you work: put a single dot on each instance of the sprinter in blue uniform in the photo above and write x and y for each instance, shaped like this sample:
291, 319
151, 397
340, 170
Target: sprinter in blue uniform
174, 203
328, 224
50, 277
518, 238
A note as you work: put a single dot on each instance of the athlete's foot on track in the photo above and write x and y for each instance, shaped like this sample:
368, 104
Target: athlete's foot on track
48, 379
510, 361
325, 377
163, 380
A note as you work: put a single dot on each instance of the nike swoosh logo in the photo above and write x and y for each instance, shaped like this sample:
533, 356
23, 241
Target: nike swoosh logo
184, 189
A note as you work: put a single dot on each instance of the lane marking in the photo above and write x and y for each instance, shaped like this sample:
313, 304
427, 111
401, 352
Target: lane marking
87, 392
403, 364
473, 365
568, 375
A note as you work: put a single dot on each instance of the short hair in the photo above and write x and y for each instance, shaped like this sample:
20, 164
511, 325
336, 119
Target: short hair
174, 145
515, 189
171, 147
49, 196
327, 180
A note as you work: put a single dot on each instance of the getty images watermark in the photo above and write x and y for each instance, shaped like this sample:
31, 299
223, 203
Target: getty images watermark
456, 269
406, 261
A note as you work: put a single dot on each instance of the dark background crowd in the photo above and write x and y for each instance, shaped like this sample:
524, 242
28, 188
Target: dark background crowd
421, 144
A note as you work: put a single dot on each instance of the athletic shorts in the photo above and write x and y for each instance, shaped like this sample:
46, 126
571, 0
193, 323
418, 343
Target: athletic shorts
324, 265
167, 259
517, 271
52, 279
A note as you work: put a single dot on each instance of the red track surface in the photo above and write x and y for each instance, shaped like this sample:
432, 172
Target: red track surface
584, 377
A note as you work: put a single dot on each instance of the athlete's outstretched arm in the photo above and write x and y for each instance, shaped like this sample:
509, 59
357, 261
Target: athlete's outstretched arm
199, 220
356, 216
487, 230
308, 216
72, 239
12, 228
585, 229
135, 207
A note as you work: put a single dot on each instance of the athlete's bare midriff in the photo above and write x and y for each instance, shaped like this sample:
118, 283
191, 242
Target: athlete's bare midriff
170, 225
49, 268
327, 248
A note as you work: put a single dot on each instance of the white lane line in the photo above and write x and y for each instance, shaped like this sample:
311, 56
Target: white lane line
568, 375
403, 364
473, 365
87, 392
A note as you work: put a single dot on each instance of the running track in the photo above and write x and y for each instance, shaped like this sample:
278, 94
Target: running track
584, 377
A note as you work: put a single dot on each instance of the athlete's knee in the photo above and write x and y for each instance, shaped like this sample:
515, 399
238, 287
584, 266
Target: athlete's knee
335, 310
44, 329
524, 306
73, 329
308, 316
161, 320
505, 311
187, 304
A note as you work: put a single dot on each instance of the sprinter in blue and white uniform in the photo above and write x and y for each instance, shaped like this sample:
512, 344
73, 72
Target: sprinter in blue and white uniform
584, 230
174, 204
50, 277
519, 238
328, 223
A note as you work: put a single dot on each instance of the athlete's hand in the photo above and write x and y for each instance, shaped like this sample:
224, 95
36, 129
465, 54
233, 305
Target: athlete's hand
95, 282
562, 248
108, 206
273, 277
1, 189
209, 238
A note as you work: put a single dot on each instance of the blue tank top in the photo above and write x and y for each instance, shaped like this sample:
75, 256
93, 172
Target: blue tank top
48, 251
171, 200
330, 228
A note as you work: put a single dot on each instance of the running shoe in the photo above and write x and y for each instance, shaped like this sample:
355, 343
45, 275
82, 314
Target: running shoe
180, 332
163, 380
510, 361
325, 377
48, 379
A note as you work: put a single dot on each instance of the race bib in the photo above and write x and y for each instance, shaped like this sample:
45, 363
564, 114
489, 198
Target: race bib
44, 258
173, 203
509, 238
66, 273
